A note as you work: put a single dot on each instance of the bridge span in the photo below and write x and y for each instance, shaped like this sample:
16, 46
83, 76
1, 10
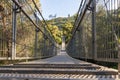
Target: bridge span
94, 35
60, 67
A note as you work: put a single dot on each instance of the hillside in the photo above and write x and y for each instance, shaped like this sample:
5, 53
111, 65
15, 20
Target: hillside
61, 26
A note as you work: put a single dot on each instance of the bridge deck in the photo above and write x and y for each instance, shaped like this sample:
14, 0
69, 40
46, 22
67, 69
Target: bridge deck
60, 67
61, 58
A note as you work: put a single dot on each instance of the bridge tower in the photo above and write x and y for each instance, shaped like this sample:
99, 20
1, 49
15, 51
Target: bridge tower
63, 43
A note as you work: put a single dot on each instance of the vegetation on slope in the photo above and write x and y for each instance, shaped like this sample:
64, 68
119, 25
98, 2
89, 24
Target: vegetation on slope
61, 27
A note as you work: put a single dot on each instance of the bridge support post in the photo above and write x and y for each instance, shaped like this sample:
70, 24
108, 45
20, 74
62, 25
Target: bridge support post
119, 60
63, 42
13, 56
94, 49
36, 40
36, 36
45, 46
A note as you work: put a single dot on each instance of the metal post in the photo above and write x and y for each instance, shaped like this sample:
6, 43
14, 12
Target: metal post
36, 36
36, 40
14, 32
118, 49
94, 49
119, 60
45, 51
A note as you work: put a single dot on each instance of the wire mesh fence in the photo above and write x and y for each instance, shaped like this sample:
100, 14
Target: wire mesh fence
107, 33
107, 20
31, 37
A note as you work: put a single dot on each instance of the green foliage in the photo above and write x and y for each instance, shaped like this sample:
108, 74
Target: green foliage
55, 32
61, 26
25, 33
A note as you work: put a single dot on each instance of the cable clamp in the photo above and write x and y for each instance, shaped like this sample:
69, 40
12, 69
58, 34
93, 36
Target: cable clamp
90, 8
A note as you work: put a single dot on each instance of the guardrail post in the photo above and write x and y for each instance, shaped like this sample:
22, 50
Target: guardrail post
13, 56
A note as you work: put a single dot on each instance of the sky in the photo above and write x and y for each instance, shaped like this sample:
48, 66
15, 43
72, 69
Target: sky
60, 8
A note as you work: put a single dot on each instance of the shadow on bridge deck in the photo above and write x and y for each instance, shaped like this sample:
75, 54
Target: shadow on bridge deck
60, 67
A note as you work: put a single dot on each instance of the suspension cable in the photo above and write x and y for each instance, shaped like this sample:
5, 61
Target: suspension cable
43, 19
81, 16
78, 12
32, 9
36, 26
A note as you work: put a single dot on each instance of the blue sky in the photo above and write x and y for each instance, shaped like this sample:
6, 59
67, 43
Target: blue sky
59, 7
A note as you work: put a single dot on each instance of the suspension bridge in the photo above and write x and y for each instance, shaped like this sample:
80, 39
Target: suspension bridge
25, 36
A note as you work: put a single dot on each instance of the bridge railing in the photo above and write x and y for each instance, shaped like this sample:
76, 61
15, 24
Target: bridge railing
108, 29
22, 34
97, 36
